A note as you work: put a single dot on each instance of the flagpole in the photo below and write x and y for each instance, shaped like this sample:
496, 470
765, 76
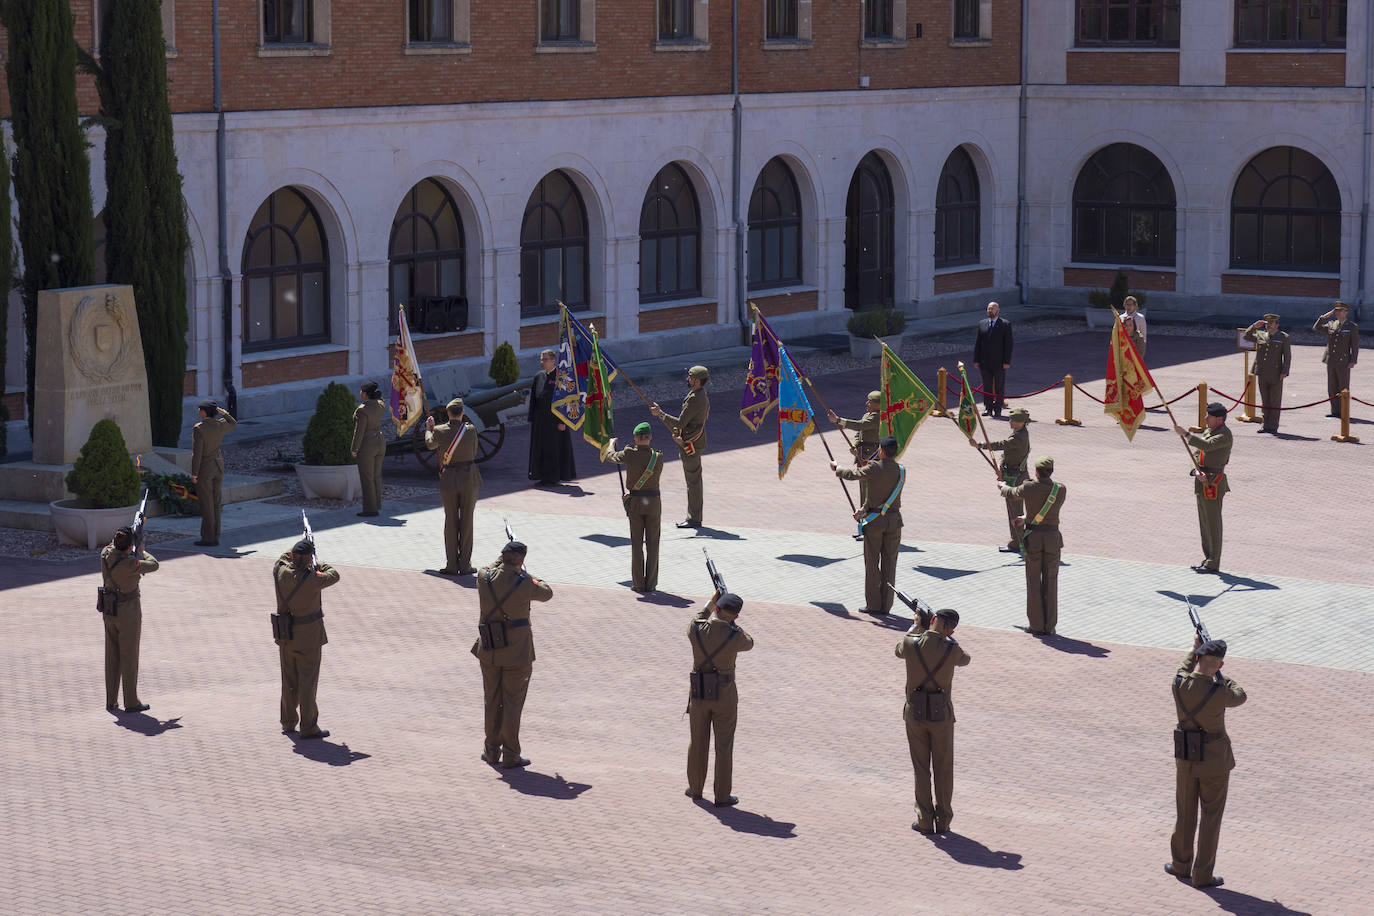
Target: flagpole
1153, 384
963, 378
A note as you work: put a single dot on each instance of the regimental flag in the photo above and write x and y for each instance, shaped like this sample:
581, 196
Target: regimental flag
761, 383
967, 419
407, 389
795, 419
596, 427
1128, 381
906, 402
570, 378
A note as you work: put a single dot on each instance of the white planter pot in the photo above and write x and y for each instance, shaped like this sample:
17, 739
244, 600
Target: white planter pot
91, 528
330, 481
868, 348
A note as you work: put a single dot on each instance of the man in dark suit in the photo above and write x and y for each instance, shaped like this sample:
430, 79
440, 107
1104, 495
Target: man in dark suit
992, 357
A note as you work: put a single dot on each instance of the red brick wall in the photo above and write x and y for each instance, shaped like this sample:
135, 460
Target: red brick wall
1138, 278
963, 280
1297, 68
546, 335
1123, 68
687, 316
1264, 285
786, 304
445, 347
294, 369
15, 402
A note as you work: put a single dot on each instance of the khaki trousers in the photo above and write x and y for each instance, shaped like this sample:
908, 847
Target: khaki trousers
370, 457
121, 653
1271, 399
1201, 785
504, 688
458, 509
932, 755
691, 473
1209, 525
210, 492
1042, 580
882, 541
718, 716
646, 516
1015, 509
300, 679
1337, 380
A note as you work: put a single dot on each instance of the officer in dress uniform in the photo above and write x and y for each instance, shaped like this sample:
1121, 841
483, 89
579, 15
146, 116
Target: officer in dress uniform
866, 439
369, 447
505, 650
931, 654
713, 705
1273, 357
459, 481
689, 432
207, 467
1204, 760
1042, 543
643, 468
122, 564
1210, 485
880, 519
1015, 451
1342, 351
299, 580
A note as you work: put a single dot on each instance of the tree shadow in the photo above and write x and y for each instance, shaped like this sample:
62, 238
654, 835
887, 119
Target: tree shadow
607, 540
968, 851
1075, 646
322, 751
145, 724
528, 782
1247, 905
741, 821
806, 559
716, 534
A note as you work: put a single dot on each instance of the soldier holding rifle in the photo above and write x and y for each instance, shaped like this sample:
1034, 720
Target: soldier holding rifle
713, 706
931, 654
459, 481
298, 629
123, 563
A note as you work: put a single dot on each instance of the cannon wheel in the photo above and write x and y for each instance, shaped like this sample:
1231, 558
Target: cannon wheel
429, 460
489, 441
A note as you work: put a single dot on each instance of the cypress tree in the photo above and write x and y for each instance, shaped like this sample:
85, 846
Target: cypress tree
6, 281
52, 176
145, 215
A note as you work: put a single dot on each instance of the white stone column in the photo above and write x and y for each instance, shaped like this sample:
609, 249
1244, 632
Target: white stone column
504, 310
374, 290
830, 267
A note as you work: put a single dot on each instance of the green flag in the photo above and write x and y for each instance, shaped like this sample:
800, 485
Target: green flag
596, 425
906, 402
968, 411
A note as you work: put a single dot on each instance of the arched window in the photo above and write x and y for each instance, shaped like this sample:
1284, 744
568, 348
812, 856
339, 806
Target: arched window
427, 266
669, 238
775, 253
553, 248
1286, 213
868, 273
957, 239
285, 275
1123, 208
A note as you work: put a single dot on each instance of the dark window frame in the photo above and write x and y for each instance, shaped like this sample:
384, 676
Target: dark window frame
1326, 219
878, 20
413, 218
966, 24
274, 270
775, 182
676, 20
1118, 163
685, 199
539, 200
560, 21
276, 22
425, 19
1330, 13
952, 213
781, 20
1162, 15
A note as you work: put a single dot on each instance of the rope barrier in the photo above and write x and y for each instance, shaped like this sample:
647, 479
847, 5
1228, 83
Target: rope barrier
1013, 397
1358, 401
1239, 403
1089, 394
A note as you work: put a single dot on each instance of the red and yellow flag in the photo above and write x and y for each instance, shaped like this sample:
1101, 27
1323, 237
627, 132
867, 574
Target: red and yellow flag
1128, 381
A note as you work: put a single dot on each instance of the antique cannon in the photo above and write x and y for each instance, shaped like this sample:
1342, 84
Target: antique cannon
482, 407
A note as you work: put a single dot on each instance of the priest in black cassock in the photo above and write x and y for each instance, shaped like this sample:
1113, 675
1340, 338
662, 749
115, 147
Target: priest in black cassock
551, 454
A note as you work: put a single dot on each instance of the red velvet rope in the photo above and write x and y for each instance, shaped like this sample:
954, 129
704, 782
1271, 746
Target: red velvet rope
1238, 402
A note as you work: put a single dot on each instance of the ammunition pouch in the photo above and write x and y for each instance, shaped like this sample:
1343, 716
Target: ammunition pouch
282, 626
107, 601
492, 635
929, 706
706, 685
1188, 743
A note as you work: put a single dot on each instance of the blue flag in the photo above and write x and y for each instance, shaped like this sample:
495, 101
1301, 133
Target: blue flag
795, 420
575, 349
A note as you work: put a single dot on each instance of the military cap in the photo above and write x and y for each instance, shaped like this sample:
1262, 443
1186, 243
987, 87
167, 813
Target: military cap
875, 395
948, 614
730, 602
1213, 647
1020, 413
209, 406
1045, 463
643, 429
889, 443
1271, 317
1215, 409
304, 548
515, 547
699, 372
455, 405
1340, 305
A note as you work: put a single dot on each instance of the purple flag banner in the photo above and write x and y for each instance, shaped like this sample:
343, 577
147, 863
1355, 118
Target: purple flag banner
761, 383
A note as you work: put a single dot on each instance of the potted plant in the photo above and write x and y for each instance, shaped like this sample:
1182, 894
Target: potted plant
106, 485
868, 327
329, 470
1102, 299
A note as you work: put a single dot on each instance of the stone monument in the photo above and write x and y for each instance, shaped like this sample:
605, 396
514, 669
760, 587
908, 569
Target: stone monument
89, 367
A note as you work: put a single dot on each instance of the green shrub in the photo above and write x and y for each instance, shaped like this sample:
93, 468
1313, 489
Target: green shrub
104, 477
329, 437
877, 323
504, 369
1121, 288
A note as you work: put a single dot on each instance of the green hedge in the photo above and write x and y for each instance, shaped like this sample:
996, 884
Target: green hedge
329, 437
104, 477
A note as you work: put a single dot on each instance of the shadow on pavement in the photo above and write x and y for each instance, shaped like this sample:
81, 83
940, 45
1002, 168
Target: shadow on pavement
1294, 437
906, 548
1252, 584
664, 599
321, 751
385, 522
716, 534
1246, 905
943, 574
742, 821
1196, 600
527, 782
1075, 646
145, 724
607, 540
809, 560
968, 851
834, 610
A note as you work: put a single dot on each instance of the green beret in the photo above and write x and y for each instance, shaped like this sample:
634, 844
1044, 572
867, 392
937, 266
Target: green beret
643, 429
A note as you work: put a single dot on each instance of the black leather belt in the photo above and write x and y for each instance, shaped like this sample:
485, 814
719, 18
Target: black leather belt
1042, 527
517, 624
643, 493
308, 618
123, 595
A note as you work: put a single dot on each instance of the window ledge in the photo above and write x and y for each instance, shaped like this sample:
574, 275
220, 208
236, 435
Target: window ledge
583, 316
969, 42
1147, 48
769, 291
681, 44
1114, 265
391, 338
1286, 49
878, 43
435, 48
1270, 272
294, 50
665, 304
259, 356
564, 47
785, 44
962, 268
171, 53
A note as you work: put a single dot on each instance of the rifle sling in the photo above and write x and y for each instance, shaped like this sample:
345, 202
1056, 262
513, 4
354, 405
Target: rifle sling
696, 632
648, 471
282, 605
1191, 716
931, 672
500, 606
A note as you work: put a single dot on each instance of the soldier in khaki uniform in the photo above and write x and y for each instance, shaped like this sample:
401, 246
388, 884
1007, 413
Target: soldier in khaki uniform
1210, 485
880, 519
1015, 451
689, 432
207, 467
299, 580
866, 438
505, 649
931, 655
716, 641
1201, 696
369, 447
1341, 354
643, 468
122, 565
1273, 357
459, 481
1042, 544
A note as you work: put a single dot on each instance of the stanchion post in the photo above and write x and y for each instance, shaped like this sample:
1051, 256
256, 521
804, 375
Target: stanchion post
1345, 420
1248, 391
1067, 419
941, 392
1201, 408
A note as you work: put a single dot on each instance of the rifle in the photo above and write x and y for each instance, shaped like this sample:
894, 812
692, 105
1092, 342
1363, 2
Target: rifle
918, 607
1198, 625
510, 532
716, 578
140, 519
309, 536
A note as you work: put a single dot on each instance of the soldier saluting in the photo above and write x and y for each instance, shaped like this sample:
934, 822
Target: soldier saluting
644, 468
931, 654
714, 703
298, 628
123, 563
1273, 358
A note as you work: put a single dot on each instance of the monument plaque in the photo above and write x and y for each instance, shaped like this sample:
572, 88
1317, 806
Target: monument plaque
89, 368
